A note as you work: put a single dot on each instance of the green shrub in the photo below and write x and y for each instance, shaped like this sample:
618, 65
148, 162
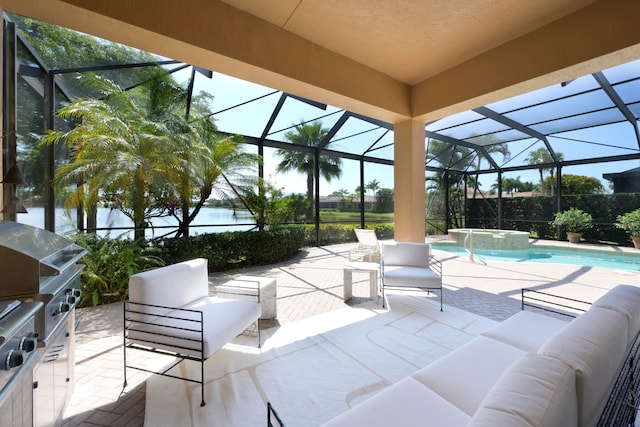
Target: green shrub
235, 249
573, 220
108, 265
629, 222
384, 231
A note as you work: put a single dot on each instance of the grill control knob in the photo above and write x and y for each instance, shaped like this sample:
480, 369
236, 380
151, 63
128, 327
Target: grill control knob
70, 299
27, 344
14, 358
63, 307
74, 292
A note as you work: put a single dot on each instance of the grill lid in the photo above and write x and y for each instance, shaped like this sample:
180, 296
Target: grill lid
7, 307
31, 256
33, 242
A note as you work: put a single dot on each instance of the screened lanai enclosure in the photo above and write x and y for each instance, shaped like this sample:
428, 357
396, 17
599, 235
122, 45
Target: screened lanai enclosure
510, 164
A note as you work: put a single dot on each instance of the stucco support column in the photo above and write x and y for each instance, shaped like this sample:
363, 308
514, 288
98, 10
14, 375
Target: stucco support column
409, 186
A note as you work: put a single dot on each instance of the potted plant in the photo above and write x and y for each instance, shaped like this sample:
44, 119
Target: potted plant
630, 223
574, 221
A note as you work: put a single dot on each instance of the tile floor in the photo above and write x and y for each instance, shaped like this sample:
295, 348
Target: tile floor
309, 285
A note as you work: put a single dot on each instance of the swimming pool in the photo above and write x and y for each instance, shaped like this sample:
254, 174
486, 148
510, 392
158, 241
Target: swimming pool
552, 254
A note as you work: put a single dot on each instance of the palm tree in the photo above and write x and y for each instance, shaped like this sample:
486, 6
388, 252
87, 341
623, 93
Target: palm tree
308, 135
542, 156
536, 157
448, 156
343, 194
136, 152
221, 167
560, 157
511, 185
374, 186
122, 154
491, 147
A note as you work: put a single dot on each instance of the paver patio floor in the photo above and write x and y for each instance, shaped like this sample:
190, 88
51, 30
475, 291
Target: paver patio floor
309, 285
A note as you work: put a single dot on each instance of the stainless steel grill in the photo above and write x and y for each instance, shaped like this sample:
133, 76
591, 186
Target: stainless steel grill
42, 266
38, 266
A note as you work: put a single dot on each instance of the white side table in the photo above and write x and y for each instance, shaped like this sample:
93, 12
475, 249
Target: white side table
246, 287
371, 268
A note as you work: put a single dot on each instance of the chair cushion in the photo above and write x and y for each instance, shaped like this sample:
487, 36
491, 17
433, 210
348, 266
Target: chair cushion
465, 376
406, 254
595, 345
174, 285
413, 277
526, 330
367, 238
624, 299
223, 319
535, 391
406, 403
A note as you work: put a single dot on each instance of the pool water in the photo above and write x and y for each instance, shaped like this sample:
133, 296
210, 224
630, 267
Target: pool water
552, 254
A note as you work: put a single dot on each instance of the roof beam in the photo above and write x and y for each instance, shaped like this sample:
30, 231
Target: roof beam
564, 163
272, 143
334, 129
274, 115
308, 101
493, 115
619, 103
373, 121
475, 147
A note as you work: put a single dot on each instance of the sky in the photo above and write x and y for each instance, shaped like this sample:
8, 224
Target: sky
251, 118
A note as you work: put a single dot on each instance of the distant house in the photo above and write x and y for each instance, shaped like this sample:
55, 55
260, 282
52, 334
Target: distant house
625, 182
479, 194
353, 204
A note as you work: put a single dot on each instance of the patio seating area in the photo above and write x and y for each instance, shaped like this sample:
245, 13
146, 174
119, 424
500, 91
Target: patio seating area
308, 286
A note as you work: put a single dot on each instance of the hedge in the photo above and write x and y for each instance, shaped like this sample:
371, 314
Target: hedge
235, 249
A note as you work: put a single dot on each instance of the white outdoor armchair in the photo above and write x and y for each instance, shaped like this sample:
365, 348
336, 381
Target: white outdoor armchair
368, 248
409, 265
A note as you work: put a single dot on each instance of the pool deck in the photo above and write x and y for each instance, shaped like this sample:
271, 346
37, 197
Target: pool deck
309, 285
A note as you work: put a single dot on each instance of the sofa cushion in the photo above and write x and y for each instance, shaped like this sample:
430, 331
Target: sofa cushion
174, 285
535, 391
412, 277
406, 403
223, 319
595, 345
465, 376
626, 300
526, 330
406, 253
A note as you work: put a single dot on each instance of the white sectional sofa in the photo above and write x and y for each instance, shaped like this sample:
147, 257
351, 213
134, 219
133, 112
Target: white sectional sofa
530, 370
170, 311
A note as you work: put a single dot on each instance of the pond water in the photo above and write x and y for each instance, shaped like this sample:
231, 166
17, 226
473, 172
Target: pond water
209, 220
